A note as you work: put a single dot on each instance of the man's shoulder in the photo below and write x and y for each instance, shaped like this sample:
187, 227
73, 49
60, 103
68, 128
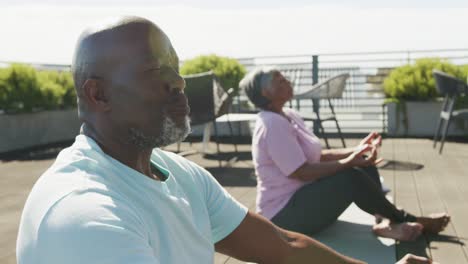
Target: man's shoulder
73, 222
174, 161
72, 173
82, 207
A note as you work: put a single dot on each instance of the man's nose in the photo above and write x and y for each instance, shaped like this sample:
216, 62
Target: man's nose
177, 83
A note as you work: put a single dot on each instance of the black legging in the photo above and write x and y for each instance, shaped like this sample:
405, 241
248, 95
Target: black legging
317, 205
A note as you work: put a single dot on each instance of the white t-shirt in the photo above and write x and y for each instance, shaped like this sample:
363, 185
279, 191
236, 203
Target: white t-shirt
90, 208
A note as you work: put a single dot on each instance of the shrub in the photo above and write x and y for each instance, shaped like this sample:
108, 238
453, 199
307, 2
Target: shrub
65, 81
19, 88
462, 102
24, 89
415, 82
464, 72
51, 92
229, 71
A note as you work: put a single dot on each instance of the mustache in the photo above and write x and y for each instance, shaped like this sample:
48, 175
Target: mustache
177, 108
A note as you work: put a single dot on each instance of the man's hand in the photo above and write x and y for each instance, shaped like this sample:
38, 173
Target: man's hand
412, 259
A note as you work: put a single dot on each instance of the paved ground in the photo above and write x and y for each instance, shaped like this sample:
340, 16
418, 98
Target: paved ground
421, 181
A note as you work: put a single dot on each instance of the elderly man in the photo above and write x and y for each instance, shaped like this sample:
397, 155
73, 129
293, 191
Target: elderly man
115, 197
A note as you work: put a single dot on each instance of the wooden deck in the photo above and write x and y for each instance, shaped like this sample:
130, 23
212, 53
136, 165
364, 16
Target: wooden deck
422, 182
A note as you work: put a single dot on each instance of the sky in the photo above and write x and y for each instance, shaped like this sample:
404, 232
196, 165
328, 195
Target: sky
46, 31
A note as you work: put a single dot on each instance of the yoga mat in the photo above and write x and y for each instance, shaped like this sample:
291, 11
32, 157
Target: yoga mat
352, 235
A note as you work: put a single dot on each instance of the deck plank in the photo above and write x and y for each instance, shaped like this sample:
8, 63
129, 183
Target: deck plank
459, 211
446, 246
431, 201
405, 195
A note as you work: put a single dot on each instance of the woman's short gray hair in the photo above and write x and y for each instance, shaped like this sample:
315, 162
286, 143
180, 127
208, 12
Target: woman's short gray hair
256, 81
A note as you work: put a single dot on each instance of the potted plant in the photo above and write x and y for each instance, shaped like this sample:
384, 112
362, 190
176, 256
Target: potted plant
37, 107
228, 70
413, 103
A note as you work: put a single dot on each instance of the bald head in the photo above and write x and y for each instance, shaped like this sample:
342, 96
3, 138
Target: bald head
129, 89
107, 49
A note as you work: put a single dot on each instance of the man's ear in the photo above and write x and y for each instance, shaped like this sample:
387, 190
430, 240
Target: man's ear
96, 95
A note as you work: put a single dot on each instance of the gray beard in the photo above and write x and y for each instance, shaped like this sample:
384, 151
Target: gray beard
170, 133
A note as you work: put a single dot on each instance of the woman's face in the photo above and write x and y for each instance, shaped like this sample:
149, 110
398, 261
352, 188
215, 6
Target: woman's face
280, 90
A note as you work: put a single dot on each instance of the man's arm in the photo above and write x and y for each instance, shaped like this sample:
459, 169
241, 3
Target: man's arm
258, 240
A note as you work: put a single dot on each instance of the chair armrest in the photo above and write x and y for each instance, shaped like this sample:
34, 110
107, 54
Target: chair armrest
228, 94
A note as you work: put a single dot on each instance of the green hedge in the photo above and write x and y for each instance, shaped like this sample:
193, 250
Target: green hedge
464, 72
229, 71
415, 82
24, 89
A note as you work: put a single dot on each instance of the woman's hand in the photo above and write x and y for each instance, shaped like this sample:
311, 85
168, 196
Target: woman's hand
373, 138
359, 158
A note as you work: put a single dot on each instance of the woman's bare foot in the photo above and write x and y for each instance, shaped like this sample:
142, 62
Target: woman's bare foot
402, 231
434, 223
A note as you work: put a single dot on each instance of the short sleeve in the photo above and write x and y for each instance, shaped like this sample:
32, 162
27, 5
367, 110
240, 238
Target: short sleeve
224, 211
73, 232
282, 145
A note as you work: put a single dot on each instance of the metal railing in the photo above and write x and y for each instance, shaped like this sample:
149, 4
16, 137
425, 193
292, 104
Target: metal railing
362, 107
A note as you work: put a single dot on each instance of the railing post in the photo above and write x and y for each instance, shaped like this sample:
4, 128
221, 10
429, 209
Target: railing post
314, 69
315, 102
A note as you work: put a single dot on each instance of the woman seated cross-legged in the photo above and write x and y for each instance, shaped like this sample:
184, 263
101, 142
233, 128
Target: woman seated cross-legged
304, 188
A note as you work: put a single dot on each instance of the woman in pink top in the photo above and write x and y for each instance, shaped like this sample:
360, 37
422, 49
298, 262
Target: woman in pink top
304, 188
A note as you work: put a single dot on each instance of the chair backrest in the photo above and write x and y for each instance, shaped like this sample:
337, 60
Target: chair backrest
328, 89
447, 84
207, 99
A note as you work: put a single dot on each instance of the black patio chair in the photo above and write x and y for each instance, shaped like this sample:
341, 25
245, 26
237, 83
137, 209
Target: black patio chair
328, 89
208, 101
451, 88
